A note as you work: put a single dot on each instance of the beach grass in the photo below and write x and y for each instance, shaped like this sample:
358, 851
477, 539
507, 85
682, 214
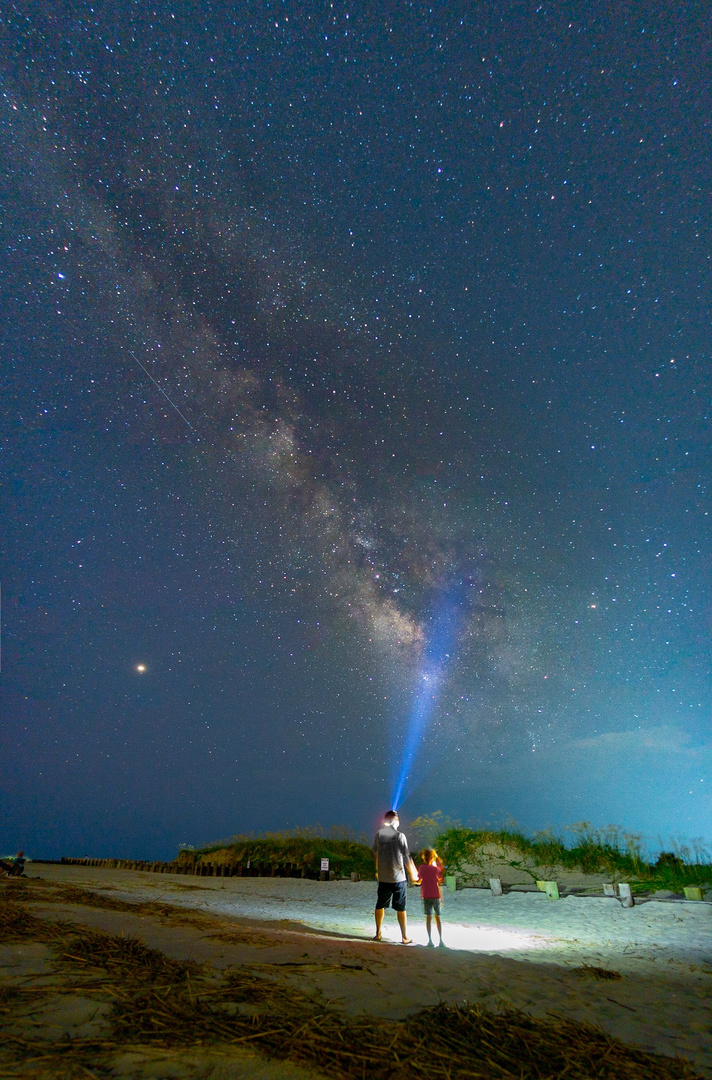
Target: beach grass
587, 850
580, 848
298, 852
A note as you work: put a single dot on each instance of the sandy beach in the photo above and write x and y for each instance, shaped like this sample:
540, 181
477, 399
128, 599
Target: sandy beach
523, 926
521, 950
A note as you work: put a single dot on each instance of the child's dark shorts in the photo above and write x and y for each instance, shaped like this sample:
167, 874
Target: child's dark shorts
391, 890
431, 905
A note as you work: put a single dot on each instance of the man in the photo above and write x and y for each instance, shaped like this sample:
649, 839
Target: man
14, 866
392, 859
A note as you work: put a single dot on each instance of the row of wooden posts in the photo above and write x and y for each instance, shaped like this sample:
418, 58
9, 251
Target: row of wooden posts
205, 869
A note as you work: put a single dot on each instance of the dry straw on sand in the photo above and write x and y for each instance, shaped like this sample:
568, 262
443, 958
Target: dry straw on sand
156, 1001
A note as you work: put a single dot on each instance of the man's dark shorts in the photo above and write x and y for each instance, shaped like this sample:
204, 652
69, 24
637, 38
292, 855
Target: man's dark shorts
392, 890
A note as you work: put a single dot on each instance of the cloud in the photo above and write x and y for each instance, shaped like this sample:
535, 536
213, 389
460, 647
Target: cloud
666, 738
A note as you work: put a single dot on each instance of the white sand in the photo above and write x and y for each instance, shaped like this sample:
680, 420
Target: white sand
529, 926
520, 950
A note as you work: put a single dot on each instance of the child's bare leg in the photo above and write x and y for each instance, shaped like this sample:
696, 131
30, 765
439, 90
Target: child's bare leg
428, 926
439, 925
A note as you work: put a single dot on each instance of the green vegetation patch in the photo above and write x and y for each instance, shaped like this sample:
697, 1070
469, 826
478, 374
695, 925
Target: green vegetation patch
609, 851
296, 853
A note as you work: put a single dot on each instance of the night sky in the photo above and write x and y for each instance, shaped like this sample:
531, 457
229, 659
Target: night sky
355, 375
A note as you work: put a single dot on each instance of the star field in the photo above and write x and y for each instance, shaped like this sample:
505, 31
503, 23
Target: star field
314, 316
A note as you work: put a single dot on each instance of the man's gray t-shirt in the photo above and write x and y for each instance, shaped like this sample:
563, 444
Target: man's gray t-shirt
390, 848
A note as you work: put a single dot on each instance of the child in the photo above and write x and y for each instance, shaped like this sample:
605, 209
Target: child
430, 876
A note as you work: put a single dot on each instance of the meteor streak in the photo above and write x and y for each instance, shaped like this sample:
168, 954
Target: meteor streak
158, 387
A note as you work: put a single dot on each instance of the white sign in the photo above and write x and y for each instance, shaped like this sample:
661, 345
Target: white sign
325, 864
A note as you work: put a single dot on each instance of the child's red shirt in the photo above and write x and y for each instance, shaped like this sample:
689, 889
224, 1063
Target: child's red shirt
429, 881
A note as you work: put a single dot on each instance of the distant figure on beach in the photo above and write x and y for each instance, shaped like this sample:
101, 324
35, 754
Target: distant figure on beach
13, 865
393, 861
430, 873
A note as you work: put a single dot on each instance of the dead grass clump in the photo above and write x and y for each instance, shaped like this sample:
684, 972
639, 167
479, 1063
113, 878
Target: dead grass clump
512, 1044
192, 1009
16, 890
459, 1042
588, 971
124, 958
10, 999
243, 986
74, 894
18, 924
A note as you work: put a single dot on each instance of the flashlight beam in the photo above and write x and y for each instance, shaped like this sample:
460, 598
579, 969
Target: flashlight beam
443, 631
